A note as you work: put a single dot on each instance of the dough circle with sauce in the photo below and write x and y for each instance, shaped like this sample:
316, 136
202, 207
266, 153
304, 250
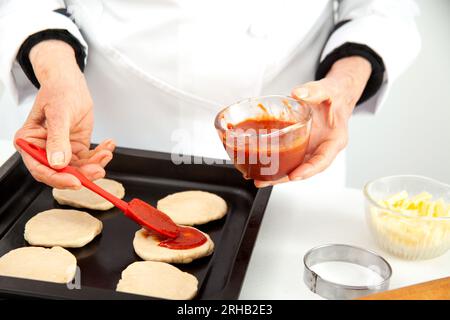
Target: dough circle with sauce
85, 198
146, 246
193, 207
64, 228
159, 280
37, 263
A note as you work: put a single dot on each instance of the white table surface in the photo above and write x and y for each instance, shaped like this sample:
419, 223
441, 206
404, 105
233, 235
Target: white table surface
299, 217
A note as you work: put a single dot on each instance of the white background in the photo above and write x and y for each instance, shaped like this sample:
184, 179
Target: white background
411, 133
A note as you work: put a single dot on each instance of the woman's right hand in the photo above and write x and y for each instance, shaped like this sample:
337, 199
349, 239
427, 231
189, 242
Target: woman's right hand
61, 119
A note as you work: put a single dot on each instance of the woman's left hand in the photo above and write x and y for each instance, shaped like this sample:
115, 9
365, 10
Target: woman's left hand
332, 100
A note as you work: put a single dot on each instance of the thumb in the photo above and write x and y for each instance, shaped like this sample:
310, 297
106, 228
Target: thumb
59, 150
312, 92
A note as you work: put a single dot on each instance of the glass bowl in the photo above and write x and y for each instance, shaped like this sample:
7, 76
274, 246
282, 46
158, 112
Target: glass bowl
266, 137
407, 236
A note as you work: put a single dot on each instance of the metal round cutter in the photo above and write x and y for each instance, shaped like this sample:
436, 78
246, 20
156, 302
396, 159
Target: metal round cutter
344, 253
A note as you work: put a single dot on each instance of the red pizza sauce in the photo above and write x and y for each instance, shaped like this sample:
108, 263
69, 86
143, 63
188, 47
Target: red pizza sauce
188, 238
161, 227
262, 153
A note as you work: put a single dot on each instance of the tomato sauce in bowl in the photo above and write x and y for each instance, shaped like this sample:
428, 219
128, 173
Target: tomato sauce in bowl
267, 141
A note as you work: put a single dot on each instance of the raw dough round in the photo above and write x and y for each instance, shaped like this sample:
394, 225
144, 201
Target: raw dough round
159, 280
146, 246
85, 198
193, 207
59, 227
37, 263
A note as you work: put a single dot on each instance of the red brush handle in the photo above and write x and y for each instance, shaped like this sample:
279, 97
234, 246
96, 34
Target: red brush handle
40, 155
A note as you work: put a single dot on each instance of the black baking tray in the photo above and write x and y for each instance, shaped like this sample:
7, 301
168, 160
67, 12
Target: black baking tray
147, 175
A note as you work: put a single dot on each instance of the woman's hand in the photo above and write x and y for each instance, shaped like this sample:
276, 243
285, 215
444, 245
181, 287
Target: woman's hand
332, 99
61, 119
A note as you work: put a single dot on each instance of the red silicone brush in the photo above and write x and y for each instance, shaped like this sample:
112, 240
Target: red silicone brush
141, 212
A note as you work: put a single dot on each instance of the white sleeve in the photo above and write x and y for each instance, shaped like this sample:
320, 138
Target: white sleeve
18, 20
388, 28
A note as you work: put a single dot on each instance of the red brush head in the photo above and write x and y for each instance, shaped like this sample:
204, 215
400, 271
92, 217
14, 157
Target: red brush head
152, 219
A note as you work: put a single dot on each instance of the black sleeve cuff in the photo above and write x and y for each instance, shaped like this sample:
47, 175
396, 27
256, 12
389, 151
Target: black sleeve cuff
349, 49
56, 34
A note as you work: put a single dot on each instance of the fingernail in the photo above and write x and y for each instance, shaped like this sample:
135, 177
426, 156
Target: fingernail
57, 158
305, 174
76, 186
302, 93
110, 143
264, 184
98, 175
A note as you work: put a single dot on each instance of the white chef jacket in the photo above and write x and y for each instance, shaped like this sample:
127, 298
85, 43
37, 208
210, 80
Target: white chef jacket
160, 70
